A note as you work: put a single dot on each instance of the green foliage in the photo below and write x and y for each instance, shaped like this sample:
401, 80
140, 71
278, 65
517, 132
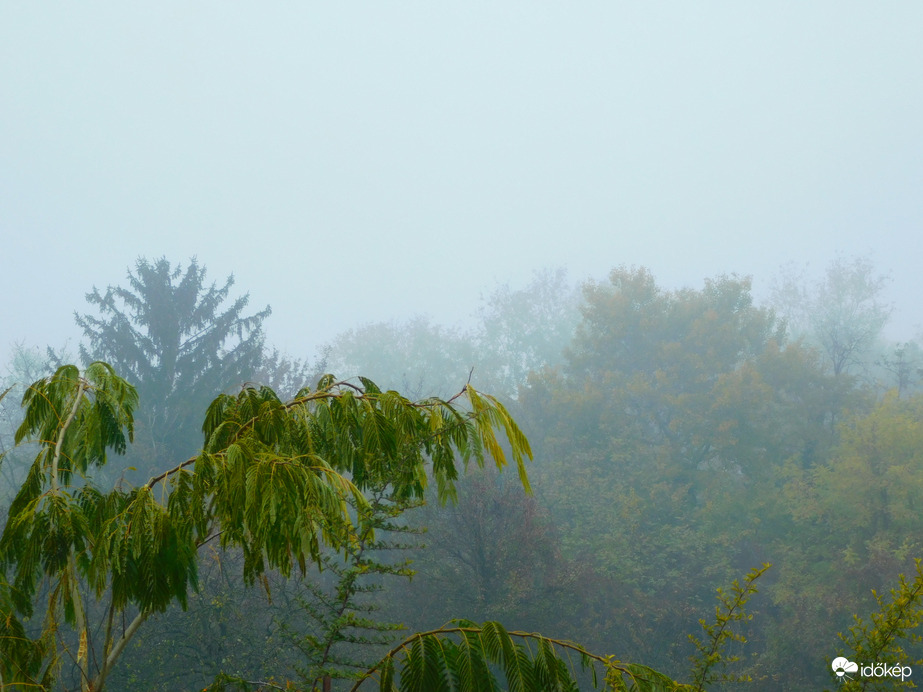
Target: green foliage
631, 326
868, 489
852, 521
710, 650
662, 407
683, 440
341, 623
467, 657
889, 634
174, 337
101, 420
26, 365
679, 444
23, 659
76, 419
663, 375
270, 481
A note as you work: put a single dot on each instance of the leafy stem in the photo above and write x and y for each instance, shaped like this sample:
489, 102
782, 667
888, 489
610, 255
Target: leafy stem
730, 611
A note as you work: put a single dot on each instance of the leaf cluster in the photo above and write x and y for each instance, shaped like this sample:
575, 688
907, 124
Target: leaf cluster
468, 657
276, 476
76, 419
710, 651
341, 624
23, 658
892, 627
275, 479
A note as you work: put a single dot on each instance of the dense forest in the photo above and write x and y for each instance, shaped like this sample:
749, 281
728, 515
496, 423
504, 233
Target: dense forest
669, 484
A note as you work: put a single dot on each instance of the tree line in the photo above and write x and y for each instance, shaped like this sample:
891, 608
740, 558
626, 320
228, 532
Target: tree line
681, 438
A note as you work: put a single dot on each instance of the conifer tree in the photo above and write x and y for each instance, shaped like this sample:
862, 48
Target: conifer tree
342, 631
176, 338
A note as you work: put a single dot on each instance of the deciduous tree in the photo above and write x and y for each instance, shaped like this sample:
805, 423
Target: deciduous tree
843, 313
272, 480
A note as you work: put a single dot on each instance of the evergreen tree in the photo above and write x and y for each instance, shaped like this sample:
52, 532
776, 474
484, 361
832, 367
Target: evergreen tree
343, 634
176, 339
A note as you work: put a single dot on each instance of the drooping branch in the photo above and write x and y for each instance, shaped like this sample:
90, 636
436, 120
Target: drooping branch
317, 396
275, 478
414, 647
59, 445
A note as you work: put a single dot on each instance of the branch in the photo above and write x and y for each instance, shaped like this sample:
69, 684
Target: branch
563, 644
117, 649
313, 396
176, 469
60, 443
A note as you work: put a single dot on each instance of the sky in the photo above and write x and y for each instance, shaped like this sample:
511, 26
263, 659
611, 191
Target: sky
356, 162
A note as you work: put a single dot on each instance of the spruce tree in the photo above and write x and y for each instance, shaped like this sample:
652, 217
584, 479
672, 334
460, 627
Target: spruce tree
177, 339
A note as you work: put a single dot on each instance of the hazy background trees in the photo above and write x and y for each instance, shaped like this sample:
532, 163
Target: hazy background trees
677, 436
842, 312
682, 436
515, 332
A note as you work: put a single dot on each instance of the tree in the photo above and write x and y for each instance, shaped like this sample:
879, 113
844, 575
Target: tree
286, 375
271, 480
499, 550
521, 331
341, 630
842, 313
860, 507
516, 331
25, 366
889, 635
903, 364
663, 357
173, 336
665, 444
415, 356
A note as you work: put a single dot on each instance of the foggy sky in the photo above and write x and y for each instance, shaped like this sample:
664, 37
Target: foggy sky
362, 161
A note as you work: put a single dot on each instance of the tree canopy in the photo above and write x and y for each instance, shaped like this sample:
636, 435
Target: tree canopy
842, 313
683, 437
272, 480
176, 338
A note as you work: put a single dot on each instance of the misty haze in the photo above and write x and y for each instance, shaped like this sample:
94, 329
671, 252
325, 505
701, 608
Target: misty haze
490, 346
